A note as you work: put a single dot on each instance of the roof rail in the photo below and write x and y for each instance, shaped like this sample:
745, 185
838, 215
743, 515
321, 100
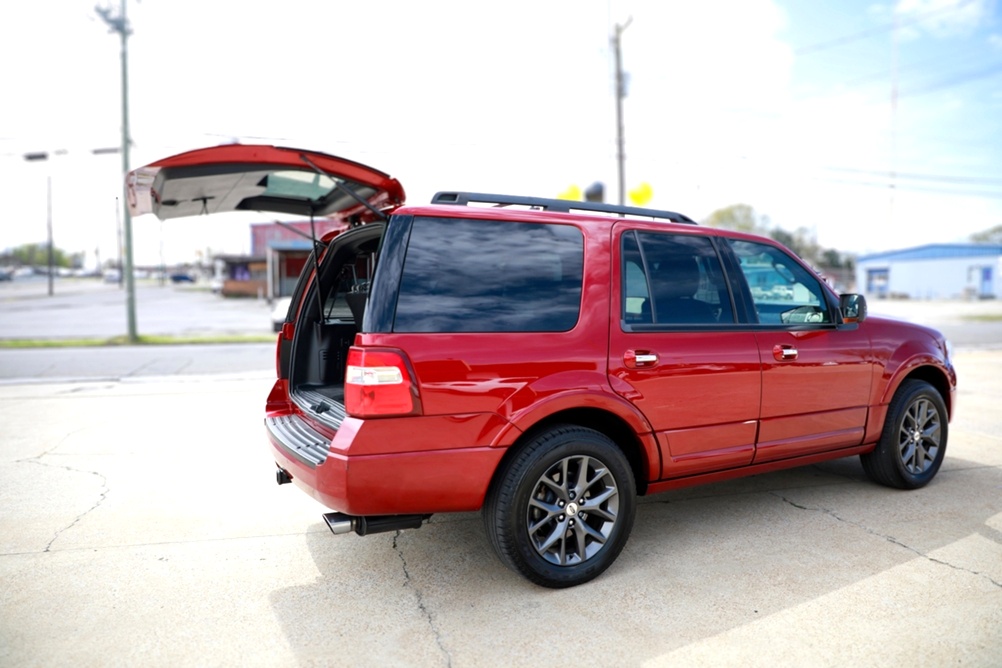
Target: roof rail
561, 205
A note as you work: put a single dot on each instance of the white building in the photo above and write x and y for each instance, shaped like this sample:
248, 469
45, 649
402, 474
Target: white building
935, 271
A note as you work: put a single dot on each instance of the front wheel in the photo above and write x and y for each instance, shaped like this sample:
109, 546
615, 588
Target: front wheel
562, 509
913, 442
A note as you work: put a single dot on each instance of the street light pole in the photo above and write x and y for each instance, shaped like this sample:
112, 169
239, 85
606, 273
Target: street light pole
51, 252
620, 94
120, 24
48, 228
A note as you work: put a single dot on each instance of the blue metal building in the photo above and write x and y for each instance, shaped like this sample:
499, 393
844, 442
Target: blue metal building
934, 271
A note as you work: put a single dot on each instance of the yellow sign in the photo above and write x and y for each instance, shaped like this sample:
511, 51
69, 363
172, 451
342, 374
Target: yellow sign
642, 194
572, 193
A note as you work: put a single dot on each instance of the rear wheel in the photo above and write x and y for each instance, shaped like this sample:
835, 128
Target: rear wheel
913, 443
562, 509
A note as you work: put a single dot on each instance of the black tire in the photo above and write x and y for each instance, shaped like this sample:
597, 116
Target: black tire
913, 443
551, 524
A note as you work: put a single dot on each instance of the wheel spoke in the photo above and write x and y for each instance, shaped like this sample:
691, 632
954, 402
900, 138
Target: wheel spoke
931, 433
581, 484
559, 529
550, 509
549, 512
908, 454
556, 487
583, 529
599, 499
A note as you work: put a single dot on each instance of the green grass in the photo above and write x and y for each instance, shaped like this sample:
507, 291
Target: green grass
144, 340
985, 317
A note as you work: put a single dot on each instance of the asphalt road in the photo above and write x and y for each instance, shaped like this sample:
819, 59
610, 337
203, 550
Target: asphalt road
140, 525
88, 308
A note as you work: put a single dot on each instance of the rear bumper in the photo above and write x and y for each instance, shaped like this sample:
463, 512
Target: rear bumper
414, 480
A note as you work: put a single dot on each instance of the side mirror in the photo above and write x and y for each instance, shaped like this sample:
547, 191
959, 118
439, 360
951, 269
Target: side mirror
853, 308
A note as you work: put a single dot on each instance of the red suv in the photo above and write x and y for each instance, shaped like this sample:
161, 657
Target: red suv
546, 361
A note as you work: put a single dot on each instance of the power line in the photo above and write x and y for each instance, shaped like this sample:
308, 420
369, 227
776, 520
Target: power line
876, 30
913, 176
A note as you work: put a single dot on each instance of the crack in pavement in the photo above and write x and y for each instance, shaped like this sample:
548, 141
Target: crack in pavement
889, 539
37, 459
420, 601
100, 499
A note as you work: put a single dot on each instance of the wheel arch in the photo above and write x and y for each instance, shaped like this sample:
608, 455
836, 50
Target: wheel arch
927, 371
634, 447
935, 377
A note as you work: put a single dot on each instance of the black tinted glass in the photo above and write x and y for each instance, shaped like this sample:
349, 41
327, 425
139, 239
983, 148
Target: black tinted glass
673, 279
487, 276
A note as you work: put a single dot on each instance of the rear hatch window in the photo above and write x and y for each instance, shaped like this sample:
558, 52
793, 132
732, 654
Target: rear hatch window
487, 276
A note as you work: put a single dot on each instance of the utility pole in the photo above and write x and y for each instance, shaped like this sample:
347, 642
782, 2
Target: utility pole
120, 24
894, 118
620, 94
51, 253
48, 227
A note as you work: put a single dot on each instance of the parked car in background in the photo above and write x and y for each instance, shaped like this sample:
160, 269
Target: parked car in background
545, 361
280, 312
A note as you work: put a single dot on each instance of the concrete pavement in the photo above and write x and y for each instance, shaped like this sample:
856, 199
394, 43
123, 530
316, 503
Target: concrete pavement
140, 525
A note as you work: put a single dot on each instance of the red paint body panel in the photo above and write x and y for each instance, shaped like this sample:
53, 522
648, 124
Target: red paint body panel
397, 484
754, 469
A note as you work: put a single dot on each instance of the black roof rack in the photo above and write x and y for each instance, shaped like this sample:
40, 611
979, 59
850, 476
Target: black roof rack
560, 205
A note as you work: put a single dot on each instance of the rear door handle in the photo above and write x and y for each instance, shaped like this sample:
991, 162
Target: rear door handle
784, 352
640, 359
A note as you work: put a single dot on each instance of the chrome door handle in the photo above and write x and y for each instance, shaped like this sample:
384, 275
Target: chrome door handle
784, 352
640, 359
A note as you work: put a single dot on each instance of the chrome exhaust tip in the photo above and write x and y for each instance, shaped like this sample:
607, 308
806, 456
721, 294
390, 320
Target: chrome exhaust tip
339, 523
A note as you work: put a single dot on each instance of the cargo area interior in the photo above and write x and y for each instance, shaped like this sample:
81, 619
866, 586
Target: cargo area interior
332, 311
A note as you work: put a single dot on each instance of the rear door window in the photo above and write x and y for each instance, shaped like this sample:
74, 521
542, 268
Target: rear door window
489, 276
673, 279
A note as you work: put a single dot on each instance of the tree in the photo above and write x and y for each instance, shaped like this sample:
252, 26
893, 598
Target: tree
803, 244
739, 217
742, 217
989, 236
37, 255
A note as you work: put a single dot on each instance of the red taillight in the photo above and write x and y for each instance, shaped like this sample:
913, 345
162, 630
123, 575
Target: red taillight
278, 357
379, 383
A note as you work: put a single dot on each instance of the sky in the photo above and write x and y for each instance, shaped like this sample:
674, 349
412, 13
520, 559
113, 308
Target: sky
873, 125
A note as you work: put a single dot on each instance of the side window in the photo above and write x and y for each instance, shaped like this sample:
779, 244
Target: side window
489, 276
782, 290
673, 279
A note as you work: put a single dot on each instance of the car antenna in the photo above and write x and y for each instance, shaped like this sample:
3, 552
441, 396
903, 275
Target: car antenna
339, 185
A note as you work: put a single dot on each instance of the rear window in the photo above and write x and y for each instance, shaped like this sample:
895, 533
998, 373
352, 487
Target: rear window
488, 276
